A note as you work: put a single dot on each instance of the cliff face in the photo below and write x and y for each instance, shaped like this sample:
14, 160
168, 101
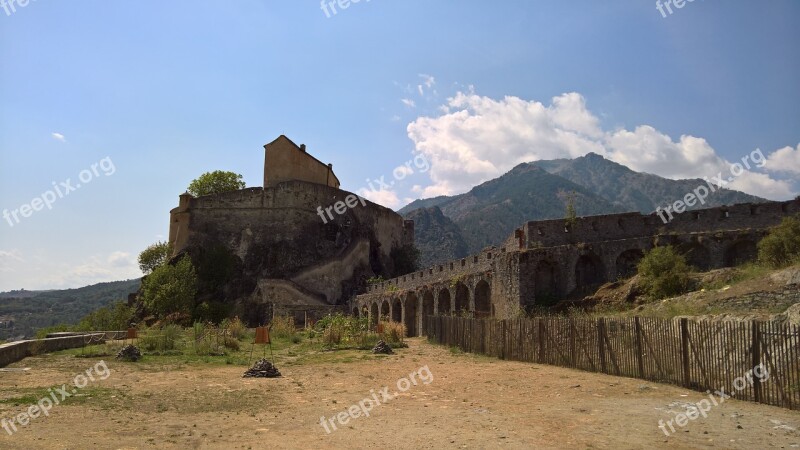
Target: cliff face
261, 250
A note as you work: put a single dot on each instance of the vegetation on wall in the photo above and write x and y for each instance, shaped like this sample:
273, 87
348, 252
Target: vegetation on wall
664, 273
781, 247
215, 182
170, 289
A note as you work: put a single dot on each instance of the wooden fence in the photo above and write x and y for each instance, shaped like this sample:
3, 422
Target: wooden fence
758, 361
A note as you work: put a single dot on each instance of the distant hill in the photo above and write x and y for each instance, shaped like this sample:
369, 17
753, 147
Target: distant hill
23, 312
489, 212
635, 191
436, 236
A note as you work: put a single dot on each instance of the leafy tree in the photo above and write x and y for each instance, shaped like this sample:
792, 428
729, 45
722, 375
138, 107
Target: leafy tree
170, 288
154, 256
782, 246
664, 273
571, 215
113, 317
215, 182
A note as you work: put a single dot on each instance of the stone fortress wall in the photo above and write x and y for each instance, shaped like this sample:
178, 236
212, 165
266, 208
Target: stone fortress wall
546, 260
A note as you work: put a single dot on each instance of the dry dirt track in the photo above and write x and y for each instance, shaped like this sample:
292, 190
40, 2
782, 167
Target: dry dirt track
472, 402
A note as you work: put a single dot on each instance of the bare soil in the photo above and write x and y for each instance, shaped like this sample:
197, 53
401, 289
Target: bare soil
472, 402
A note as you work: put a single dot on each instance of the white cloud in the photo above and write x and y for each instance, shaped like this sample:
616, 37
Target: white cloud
408, 102
786, 159
383, 197
59, 137
9, 259
475, 138
121, 259
428, 80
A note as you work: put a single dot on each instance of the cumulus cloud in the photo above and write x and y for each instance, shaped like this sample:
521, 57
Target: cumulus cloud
59, 137
476, 138
383, 197
786, 159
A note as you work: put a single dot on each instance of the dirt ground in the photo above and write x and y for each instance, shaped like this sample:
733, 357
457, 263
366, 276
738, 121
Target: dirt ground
471, 402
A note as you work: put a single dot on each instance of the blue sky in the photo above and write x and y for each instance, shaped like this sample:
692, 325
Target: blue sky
164, 91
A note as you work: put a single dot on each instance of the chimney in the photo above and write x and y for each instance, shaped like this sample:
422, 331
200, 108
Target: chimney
303, 148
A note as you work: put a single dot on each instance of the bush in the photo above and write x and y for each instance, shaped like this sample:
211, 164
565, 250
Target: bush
282, 327
170, 288
234, 327
393, 332
781, 247
160, 339
664, 273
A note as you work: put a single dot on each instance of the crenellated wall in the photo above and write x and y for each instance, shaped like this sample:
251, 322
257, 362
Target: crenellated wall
544, 261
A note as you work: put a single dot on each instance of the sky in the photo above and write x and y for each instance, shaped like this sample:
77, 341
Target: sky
108, 110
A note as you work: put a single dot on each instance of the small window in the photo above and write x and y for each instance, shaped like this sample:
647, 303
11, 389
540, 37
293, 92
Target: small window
489, 255
475, 259
463, 262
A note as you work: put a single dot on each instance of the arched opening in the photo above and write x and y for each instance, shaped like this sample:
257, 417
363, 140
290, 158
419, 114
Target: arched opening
444, 302
545, 285
627, 262
696, 255
373, 314
411, 314
740, 252
397, 311
483, 299
588, 271
427, 305
385, 310
462, 297
355, 312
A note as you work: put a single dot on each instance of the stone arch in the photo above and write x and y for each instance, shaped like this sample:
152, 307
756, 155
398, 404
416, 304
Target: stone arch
427, 303
462, 297
545, 282
697, 255
397, 310
589, 271
373, 314
740, 252
483, 298
627, 261
410, 308
386, 310
445, 305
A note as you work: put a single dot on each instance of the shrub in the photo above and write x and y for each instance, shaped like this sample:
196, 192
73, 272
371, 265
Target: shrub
235, 327
282, 327
170, 288
782, 246
664, 273
393, 332
160, 339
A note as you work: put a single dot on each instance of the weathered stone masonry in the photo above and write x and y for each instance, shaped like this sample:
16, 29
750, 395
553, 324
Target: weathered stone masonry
546, 260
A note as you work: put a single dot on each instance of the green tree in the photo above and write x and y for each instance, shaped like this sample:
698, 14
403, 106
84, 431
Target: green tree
781, 247
117, 316
215, 182
170, 288
154, 256
571, 215
664, 273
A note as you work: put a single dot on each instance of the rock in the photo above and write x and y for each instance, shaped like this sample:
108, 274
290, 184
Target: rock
129, 353
382, 347
262, 369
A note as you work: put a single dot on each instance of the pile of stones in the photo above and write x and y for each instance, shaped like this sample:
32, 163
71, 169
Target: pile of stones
129, 353
262, 369
382, 347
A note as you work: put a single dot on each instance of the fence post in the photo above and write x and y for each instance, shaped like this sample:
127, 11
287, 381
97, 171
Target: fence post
503, 342
756, 360
541, 341
601, 334
685, 351
639, 356
572, 356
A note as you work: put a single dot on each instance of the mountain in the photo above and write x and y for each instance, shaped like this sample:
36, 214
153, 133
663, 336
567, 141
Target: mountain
437, 237
23, 312
489, 212
635, 191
